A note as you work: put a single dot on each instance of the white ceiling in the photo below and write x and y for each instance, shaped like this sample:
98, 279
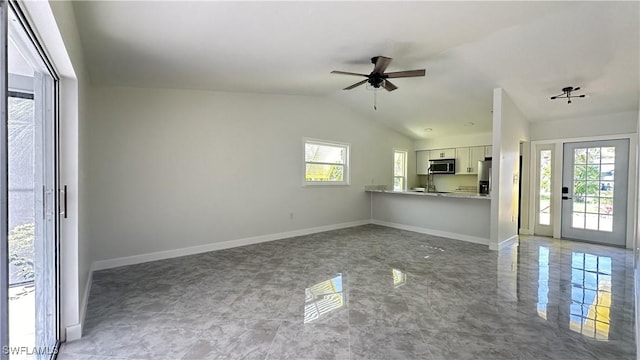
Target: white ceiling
531, 49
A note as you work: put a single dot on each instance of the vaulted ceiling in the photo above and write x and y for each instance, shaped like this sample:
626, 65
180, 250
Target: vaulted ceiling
530, 49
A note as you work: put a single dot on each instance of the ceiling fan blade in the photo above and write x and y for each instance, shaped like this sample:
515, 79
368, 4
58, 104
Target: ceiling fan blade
576, 89
408, 73
355, 85
348, 73
381, 63
389, 86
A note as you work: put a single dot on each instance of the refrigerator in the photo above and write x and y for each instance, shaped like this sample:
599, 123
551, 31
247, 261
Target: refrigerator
484, 177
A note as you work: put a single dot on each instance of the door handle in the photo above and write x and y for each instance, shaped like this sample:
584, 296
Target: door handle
566, 198
63, 202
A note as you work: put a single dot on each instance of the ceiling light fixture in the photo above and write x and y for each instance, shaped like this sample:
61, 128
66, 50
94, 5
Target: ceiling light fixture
566, 94
378, 77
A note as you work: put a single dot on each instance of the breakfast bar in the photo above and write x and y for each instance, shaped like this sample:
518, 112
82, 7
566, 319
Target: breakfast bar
461, 216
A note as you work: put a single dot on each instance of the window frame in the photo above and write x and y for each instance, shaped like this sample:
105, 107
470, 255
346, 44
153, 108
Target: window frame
404, 176
346, 179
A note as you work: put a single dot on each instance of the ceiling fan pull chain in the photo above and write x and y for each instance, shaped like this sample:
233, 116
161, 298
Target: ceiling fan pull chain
375, 99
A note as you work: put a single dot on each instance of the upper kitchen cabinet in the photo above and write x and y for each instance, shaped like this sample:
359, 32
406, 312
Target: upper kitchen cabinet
422, 162
488, 150
467, 159
443, 154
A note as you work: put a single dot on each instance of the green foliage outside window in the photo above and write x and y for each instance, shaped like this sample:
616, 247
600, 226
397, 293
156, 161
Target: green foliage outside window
21, 249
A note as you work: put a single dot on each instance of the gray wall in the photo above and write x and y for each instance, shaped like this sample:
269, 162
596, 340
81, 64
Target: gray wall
172, 169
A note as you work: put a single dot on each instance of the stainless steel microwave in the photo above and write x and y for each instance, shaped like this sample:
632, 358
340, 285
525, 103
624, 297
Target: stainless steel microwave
442, 166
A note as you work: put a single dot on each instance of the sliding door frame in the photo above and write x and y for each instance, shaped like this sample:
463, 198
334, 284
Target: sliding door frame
52, 201
4, 187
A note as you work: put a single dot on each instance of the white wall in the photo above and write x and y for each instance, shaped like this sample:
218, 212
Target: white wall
479, 139
509, 128
56, 28
598, 125
172, 169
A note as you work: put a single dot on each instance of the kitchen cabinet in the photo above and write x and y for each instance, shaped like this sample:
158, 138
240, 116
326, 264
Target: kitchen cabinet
467, 159
488, 150
443, 154
422, 162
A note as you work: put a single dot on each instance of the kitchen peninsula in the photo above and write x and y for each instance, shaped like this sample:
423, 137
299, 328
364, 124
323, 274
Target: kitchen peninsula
460, 216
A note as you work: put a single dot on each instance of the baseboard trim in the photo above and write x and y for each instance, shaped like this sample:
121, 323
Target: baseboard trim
85, 300
526, 232
504, 243
160, 255
73, 332
421, 230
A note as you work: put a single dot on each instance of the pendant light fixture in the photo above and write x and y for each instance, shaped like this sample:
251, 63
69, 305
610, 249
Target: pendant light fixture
567, 94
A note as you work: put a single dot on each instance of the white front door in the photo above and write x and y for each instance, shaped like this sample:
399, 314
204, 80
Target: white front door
594, 186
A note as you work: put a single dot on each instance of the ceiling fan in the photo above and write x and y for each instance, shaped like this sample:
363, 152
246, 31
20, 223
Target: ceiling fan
378, 78
566, 94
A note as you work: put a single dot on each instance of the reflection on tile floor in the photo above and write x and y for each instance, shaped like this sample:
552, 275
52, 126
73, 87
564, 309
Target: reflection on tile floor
368, 292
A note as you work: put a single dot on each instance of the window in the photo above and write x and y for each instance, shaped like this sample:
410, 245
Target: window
544, 193
326, 162
399, 170
593, 180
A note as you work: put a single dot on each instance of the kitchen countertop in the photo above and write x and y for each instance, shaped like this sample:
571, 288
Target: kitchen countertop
422, 193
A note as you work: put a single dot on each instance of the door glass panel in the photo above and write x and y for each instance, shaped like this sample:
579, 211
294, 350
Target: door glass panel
606, 222
21, 223
593, 156
593, 188
606, 172
606, 189
580, 189
593, 172
580, 156
606, 206
608, 155
578, 220
591, 222
544, 198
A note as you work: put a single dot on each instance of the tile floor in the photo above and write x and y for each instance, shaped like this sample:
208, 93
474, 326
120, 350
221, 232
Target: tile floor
367, 292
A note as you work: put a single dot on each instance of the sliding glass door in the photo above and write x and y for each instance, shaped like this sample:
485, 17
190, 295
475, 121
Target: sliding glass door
29, 256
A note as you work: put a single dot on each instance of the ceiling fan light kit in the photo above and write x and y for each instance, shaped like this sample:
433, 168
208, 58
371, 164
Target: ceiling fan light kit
567, 94
378, 78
